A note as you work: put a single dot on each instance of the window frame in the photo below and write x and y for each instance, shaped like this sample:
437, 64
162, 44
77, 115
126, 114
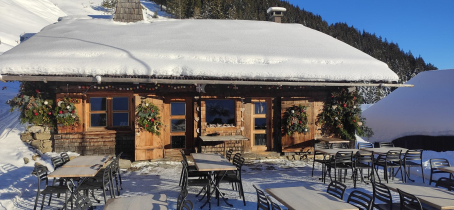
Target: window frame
109, 112
254, 116
178, 117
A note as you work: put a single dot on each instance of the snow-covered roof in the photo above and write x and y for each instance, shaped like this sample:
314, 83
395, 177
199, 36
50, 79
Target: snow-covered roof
426, 109
210, 48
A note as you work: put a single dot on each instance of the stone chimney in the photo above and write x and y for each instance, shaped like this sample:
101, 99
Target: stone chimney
276, 13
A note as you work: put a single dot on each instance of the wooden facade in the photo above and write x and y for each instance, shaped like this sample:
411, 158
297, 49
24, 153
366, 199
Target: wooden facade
264, 104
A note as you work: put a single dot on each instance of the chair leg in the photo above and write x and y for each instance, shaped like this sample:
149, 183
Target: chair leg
119, 177
36, 200
50, 198
422, 175
181, 177
242, 192
42, 203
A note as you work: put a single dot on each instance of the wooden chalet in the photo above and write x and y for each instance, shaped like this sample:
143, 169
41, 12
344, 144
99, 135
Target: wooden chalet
219, 84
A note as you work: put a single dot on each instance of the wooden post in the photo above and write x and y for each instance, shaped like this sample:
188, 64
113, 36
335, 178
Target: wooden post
277, 133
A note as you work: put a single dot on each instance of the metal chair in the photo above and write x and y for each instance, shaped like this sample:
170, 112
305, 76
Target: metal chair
41, 172
192, 170
409, 201
236, 176
343, 160
187, 205
385, 144
436, 163
228, 154
361, 200
65, 157
57, 162
336, 189
322, 161
412, 158
339, 146
365, 145
363, 160
115, 170
390, 161
382, 194
81, 201
201, 182
262, 201
105, 184
274, 205
181, 198
446, 183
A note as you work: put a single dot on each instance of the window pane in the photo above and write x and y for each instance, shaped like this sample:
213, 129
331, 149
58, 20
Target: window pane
98, 120
177, 108
220, 111
260, 139
120, 119
178, 142
120, 104
178, 125
260, 107
98, 104
260, 124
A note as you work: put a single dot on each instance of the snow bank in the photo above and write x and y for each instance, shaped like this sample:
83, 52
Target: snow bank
426, 109
214, 48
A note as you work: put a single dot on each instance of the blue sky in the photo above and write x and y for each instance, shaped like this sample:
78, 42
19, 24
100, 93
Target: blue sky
423, 27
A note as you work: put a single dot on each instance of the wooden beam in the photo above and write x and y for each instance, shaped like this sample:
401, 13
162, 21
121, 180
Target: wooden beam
195, 81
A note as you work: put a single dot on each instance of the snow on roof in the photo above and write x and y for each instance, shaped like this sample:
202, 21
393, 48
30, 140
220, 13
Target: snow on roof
426, 109
276, 9
210, 48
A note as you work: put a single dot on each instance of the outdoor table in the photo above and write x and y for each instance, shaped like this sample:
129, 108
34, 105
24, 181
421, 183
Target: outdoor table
213, 163
333, 140
223, 139
78, 169
437, 197
447, 169
87, 161
384, 150
144, 202
303, 198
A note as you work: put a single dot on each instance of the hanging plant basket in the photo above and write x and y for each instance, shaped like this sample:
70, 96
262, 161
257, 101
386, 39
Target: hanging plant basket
295, 119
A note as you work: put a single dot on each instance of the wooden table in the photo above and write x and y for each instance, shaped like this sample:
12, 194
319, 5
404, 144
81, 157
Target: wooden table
303, 198
87, 161
75, 172
334, 151
211, 162
333, 140
439, 198
145, 202
384, 150
223, 139
447, 169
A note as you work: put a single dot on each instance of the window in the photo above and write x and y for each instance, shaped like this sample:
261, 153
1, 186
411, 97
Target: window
260, 123
220, 112
178, 125
109, 111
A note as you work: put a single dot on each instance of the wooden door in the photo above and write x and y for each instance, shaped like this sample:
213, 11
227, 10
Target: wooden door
148, 146
179, 123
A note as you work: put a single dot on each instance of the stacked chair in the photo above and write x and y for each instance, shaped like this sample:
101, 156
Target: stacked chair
182, 203
343, 160
363, 161
103, 183
202, 181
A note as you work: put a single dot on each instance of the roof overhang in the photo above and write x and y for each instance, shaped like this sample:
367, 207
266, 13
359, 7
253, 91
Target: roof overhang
183, 81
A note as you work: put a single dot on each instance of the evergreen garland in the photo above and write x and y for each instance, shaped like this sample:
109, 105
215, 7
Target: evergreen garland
147, 117
34, 103
295, 120
341, 115
66, 113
